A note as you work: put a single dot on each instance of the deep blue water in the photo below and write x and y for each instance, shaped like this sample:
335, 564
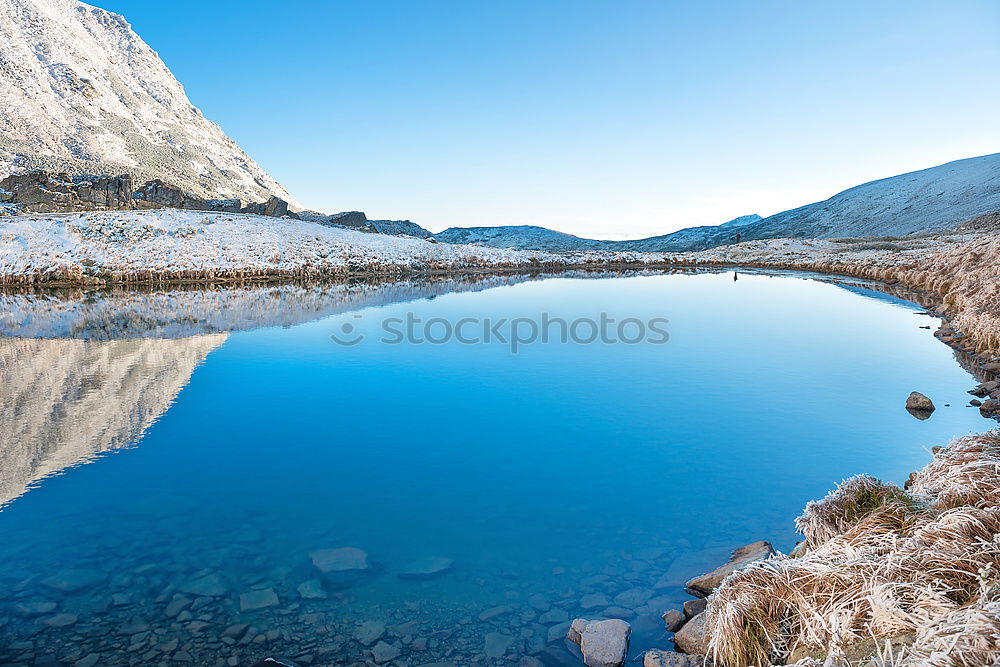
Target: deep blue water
559, 471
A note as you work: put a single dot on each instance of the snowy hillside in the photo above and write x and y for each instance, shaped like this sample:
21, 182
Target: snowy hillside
80, 92
519, 237
929, 200
529, 237
167, 244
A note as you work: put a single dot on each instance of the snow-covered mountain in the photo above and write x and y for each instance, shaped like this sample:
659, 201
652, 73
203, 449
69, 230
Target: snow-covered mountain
923, 201
81, 93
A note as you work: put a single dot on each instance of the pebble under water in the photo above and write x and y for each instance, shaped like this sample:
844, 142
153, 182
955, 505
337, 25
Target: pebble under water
209, 477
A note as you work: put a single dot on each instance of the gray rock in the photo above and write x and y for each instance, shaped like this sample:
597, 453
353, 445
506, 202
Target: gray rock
657, 658
603, 643
495, 612
209, 586
575, 631
593, 601
618, 612
693, 637
633, 598
919, 405
427, 568
673, 620
383, 653
740, 558
312, 590
496, 645
60, 620
369, 632
344, 559
557, 632
275, 207
176, 606
554, 615
258, 599
30, 609
88, 660
75, 580
348, 219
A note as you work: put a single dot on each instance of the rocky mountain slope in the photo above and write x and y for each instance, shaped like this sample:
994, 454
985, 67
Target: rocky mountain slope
81, 93
930, 200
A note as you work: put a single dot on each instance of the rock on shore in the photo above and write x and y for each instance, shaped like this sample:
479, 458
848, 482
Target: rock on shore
603, 643
740, 558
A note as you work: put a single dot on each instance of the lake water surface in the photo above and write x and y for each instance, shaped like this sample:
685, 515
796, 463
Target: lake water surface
170, 458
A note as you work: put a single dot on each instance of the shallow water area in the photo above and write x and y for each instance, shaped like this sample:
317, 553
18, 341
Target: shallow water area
179, 467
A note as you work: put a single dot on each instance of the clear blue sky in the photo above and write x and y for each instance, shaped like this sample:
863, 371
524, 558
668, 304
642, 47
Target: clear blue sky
607, 119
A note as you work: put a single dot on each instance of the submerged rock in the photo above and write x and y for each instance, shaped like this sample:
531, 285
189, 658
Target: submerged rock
312, 590
496, 645
344, 559
29, 609
919, 405
383, 653
74, 580
603, 643
369, 632
210, 586
740, 558
258, 599
427, 568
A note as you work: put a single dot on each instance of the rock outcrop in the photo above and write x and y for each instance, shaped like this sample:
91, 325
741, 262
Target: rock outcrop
46, 192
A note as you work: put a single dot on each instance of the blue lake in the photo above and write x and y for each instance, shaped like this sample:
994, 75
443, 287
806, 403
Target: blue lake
164, 464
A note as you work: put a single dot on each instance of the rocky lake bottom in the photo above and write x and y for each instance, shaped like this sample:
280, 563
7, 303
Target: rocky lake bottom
211, 478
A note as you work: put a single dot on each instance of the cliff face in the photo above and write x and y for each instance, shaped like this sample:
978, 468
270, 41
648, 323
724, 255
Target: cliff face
68, 401
81, 93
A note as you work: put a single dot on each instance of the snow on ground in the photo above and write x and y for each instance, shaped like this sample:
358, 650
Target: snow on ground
169, 244
176, 243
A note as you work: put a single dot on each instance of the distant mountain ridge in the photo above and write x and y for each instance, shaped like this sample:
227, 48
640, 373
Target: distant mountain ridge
81, 93
929, 200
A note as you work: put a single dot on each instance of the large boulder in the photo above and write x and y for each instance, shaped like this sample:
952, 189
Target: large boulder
740, 558
275, 207
603, 643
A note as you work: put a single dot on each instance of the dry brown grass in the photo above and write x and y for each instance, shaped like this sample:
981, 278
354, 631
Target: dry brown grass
880, 563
